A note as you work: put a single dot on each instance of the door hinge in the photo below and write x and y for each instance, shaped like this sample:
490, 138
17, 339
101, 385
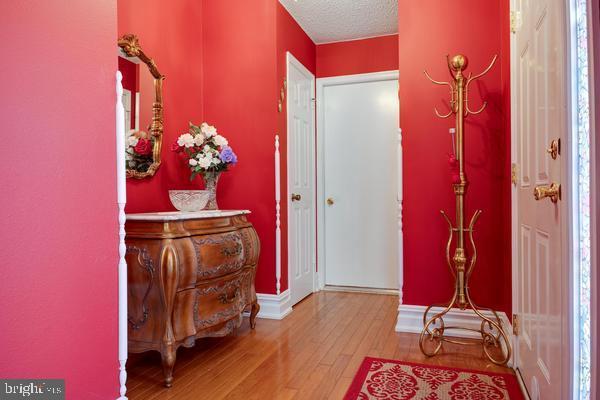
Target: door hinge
516, 325
513, 174
515, 20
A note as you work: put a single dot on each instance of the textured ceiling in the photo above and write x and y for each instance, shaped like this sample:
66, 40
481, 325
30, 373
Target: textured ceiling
337, 20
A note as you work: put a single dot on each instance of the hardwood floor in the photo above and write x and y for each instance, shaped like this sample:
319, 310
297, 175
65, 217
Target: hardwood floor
311, 354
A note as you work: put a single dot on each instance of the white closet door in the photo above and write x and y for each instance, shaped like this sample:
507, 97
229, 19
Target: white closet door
360, 134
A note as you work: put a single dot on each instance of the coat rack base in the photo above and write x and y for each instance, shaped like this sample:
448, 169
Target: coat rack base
494, 339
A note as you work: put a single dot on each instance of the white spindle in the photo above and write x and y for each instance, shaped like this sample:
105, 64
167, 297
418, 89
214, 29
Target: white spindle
277, 215
399, 199
121, 200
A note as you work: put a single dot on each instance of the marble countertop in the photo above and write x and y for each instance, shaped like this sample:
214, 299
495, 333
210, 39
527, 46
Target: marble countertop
181, 216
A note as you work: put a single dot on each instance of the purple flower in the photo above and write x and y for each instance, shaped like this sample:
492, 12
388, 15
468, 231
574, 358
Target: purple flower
228, 156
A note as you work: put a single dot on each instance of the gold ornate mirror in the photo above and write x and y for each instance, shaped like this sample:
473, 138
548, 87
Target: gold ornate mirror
142, 100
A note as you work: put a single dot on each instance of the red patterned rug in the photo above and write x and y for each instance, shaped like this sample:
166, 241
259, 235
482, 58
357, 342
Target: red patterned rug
388, 379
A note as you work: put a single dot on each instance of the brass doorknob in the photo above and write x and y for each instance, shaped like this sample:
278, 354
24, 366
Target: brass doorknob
296, 197
330, 201
543, 191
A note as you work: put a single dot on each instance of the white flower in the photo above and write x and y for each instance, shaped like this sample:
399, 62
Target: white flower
199, 139
220, 140
131, 164
186, 140
209, 156
208, 130
206, 149
204, 162
132, 141
193, 162
216, 161
128, 156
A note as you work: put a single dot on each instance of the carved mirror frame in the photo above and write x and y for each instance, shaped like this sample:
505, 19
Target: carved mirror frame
130, 45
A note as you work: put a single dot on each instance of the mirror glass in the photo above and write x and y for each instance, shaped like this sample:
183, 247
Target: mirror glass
142, 101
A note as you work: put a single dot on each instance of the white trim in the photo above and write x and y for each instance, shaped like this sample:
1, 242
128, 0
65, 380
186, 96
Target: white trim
400, 236
410, 320
277, 216
273, 306
291, 60
345, 80
594, 35
122, 268
571, 208
354, 289
514, 188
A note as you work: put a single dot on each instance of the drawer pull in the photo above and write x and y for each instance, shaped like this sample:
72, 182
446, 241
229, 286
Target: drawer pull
228, 300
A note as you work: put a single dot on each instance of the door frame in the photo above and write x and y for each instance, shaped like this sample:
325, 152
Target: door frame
291, 60
594, 60
322, 83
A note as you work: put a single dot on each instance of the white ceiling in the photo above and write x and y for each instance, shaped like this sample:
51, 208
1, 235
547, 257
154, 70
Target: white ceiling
338, 20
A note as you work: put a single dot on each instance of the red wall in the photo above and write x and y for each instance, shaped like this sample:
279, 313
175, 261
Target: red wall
240, 99
59, 269
290, 37
357, 56
428, 30
170, 33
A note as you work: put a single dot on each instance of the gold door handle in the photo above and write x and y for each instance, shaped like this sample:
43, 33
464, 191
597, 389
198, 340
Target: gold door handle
543, 191
330, 201
296, 197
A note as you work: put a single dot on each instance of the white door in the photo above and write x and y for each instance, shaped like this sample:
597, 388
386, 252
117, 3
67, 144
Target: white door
359, 131
301, 178
541, 275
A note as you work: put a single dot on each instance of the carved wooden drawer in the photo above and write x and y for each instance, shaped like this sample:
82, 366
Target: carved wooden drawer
219, 255
220, 301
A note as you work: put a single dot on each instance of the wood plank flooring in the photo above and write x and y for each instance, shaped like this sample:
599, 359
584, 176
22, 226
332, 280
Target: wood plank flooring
311, 354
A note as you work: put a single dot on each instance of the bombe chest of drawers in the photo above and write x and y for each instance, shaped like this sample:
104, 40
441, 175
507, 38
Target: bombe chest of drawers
190, 275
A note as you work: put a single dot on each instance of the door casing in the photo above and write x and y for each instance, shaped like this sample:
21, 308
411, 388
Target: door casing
344, 80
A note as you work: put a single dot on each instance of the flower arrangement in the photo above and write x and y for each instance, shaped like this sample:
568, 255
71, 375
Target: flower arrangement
139, 150
205, 150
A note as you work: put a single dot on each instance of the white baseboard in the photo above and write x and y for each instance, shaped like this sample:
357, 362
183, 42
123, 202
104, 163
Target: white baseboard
354, 289
273, 306
410, 319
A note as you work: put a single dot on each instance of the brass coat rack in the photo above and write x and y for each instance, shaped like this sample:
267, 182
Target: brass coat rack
434, 331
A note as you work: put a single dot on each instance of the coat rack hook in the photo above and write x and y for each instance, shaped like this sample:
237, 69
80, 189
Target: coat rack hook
452, 89
470, 79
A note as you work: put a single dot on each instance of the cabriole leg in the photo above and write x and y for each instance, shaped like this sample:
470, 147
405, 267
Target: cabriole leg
168, 354
253, 313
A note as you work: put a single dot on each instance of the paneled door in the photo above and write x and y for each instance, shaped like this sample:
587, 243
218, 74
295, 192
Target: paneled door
540, 126
358, 130
301, 179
